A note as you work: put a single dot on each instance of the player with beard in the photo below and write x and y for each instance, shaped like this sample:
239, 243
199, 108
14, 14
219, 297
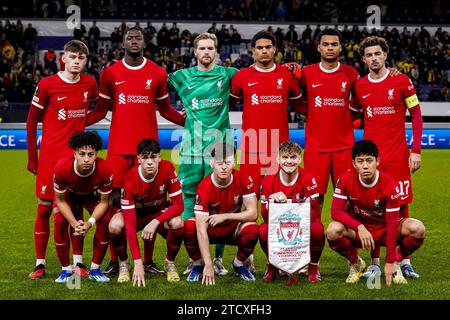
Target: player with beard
133, 88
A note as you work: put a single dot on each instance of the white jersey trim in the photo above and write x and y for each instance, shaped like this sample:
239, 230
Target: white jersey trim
222, 187
286, 184
393, 209
201, 213
104, 96
163, 97
144, 179
60, 74
235, 96
37, 105
175, 193
329, 70
378, 80
249, 195
266, 70
107, 192
82, 175
296, 97
134, 68
315, 195
353, 109
377, 176
339, 196
60, 191
128, 207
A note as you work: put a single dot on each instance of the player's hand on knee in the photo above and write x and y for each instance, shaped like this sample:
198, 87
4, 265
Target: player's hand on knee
294, 68
138, 274
390, 270
149, 231
216, 219
366, 238
208, 275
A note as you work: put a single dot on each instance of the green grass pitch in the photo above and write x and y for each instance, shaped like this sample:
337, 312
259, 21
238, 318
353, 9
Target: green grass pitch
17, 213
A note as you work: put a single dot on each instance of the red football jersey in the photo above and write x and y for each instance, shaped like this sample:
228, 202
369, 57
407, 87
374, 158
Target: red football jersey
265, 95
150, 196
212, 199
134, 92
375, 206
67, 178
65, 104
302, 187
384, 102
329, 126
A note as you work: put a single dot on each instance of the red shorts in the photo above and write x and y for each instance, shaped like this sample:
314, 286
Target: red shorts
223, 233
143, 220
399, 171
44, 180
120, 165
257, 166
321, 165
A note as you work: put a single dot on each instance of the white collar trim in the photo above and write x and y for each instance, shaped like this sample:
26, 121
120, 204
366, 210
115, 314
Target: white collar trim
220, 186
266, 70
70, 81
144, 179
377, 176
329, 70
286, 183
380, 79
82, 175
134, 68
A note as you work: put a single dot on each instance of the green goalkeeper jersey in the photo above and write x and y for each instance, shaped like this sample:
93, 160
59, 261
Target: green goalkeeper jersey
205, 96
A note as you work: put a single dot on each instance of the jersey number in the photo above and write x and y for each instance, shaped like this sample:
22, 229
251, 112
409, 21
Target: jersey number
404, 187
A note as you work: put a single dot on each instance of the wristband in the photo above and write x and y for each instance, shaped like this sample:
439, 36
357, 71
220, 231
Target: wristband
92, 221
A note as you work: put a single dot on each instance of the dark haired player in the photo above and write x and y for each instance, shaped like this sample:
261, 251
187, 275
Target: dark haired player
384, 101
145, 208
61, 101
82, 181
132, 88
373, 216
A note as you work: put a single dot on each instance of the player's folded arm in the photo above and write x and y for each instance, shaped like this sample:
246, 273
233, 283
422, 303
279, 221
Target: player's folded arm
167, 111
339, 214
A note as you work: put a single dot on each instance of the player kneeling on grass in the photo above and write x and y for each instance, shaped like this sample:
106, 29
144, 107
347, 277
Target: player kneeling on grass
373, 219
296, 184
221, 218
145, 207
83, 181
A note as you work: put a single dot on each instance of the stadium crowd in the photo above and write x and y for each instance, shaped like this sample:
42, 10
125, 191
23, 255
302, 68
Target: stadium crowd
424, 57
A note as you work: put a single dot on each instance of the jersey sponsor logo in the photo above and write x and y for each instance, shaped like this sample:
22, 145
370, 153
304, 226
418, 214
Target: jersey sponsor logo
62, 114
391, 94
366, 95
368, 213
280, 83
252, 83
328, 102
376, 111
71, 114
118, 82
206, 103
343, 86
61, 98
255, 100
315, 85
195, 103
318, 102
148, 84
123, 99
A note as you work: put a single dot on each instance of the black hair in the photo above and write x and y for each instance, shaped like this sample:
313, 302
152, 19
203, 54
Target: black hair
222, 151
330, 32
264, 35
364, 147
82, 139
133, 28
148, 146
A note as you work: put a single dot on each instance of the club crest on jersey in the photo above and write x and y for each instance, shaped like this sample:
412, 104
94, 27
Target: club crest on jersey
391, 94
219, 85
85, 96
148, 84
162, 189
236, 199
297, 197
43, 189
344, 86
289, 229
280, 83
376, 203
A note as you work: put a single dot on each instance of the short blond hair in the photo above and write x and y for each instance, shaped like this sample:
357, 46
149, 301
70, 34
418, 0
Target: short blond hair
206, 36
290, 147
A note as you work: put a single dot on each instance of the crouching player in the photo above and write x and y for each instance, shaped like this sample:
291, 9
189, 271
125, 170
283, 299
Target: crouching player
294, 183
83, 181
145, 208
374, 217
221, 218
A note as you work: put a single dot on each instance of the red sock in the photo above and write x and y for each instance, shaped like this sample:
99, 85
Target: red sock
343, 246
42, 229
375, 253
263, 235
408, 245
101, 240
62, 240
247, 241
190, 240
317, 240
119, 245
149, 247
174, 241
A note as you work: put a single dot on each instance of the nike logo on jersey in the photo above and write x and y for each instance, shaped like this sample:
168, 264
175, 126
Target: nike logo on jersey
316, 85
61, 98
191, 87
252, 83
118, 82
403, 198
365, 96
